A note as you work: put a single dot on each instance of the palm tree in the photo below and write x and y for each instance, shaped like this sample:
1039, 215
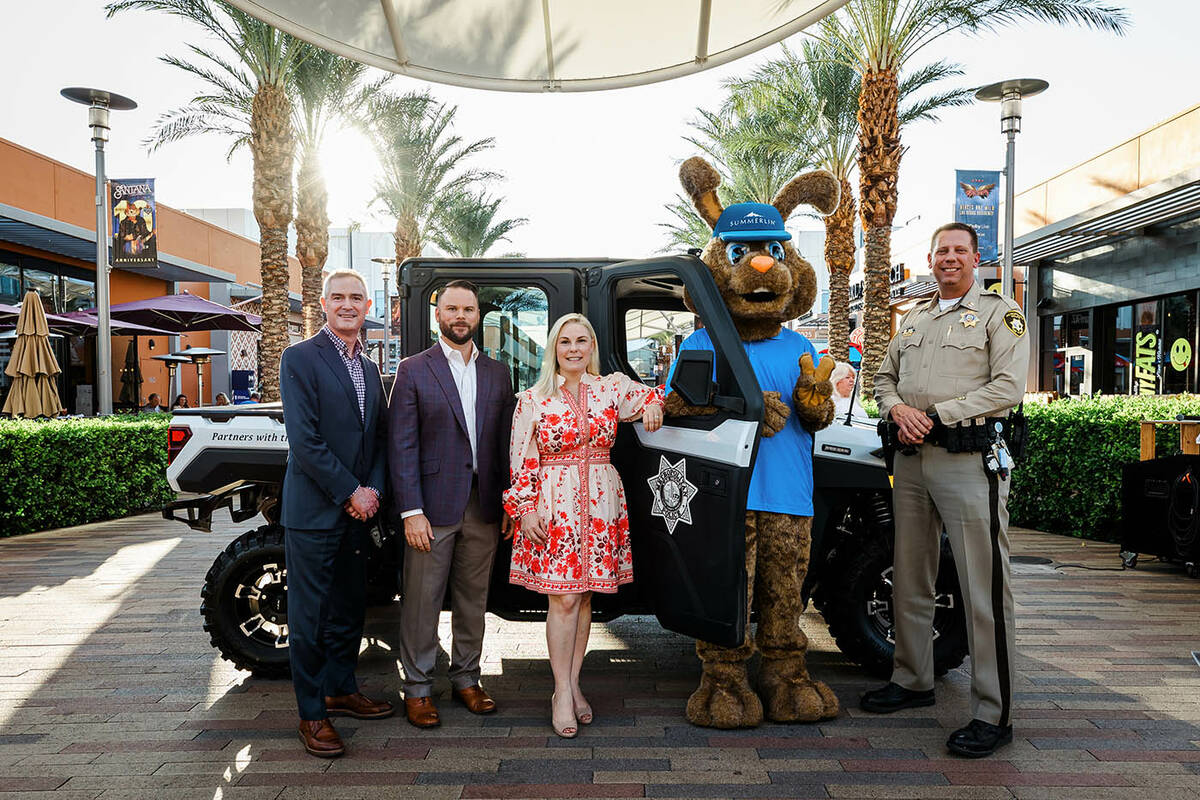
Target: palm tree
469, 228
813, 100
422, 164
878, 39
327, 88
254, 66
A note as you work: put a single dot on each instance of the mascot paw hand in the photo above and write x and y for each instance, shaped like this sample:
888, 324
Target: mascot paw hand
813, 387
775, 413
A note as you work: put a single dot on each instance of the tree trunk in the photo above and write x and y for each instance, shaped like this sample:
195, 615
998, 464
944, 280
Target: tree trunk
879, 154
312, 238
839, 258
272, 143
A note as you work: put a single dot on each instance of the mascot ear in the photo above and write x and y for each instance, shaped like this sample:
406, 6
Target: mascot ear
700, 180
818, 189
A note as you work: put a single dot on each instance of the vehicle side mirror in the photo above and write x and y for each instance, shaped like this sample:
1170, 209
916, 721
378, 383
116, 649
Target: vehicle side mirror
693, 377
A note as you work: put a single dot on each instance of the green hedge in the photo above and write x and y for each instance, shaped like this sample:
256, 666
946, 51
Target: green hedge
1070, 479
69, 472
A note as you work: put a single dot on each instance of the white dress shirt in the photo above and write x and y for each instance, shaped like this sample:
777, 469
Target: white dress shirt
463, 372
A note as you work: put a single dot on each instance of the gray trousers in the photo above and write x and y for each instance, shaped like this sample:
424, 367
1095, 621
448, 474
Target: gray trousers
461, 557
933, 488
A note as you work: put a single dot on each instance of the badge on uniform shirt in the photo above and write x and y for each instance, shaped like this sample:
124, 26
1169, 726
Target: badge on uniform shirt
968, 319
1015, 322
909, 331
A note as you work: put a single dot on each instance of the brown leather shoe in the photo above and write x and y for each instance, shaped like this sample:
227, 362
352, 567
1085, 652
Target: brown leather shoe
422, 712
320, 739
358, 706
475, 699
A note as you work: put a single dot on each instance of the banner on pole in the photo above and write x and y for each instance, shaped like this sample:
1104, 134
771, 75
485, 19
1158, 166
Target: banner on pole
134, 222
977, 203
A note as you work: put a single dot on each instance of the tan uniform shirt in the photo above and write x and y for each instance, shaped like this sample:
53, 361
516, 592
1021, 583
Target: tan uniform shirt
967, 361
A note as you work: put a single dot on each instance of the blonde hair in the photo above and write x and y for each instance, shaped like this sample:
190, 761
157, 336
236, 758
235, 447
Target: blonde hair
547, 382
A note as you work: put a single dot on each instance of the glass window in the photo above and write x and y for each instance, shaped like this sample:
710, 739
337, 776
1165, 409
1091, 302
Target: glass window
1147, 348
10, 284
1123, 350
36, 280
1078, 329
1178, 345
652, 337
514, 323
77, 295
1057, 336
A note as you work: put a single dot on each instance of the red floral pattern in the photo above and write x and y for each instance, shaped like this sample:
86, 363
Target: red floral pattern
561, 445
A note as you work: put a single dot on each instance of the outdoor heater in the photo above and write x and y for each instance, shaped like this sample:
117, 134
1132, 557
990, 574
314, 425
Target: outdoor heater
386, 311
99, 103
198, 356
1009, 95
172, 362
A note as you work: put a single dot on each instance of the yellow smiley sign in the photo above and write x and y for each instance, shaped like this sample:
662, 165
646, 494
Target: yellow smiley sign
1181, 354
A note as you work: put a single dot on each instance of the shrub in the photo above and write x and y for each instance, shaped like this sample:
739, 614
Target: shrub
69, 472
1070, 479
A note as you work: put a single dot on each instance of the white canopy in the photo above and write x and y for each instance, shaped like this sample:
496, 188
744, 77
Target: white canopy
541, 45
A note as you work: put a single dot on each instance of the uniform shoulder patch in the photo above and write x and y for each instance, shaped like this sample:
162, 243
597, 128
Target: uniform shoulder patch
1015, 322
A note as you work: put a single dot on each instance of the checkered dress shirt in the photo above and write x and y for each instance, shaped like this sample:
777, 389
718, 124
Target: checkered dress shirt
354, 367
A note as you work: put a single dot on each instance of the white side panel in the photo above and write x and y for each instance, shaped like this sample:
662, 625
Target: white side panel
731, 442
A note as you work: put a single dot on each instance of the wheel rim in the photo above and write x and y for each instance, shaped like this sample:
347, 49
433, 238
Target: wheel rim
260, 605
880, 614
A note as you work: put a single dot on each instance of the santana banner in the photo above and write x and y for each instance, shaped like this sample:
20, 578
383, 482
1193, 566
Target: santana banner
977, 203
134, 222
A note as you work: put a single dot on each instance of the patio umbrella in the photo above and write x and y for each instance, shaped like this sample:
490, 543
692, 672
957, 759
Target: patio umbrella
32, 366
178, 313
81, 323
552, 45
131, 376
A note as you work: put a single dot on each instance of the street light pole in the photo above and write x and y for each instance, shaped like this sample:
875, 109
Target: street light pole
99, 103
1009, 94
386, 313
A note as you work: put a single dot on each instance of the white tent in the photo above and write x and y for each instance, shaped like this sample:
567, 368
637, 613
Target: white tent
541, 45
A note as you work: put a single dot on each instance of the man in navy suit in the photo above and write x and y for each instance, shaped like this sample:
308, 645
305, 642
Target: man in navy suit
335, 412
451, 415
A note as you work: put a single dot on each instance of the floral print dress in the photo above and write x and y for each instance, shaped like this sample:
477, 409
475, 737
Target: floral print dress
560, 467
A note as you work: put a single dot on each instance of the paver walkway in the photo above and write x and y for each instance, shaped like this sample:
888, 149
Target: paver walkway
108, 688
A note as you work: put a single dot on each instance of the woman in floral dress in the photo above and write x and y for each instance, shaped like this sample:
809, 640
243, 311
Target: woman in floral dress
572, 525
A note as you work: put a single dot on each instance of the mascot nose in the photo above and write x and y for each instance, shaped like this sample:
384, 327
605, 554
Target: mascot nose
762, 263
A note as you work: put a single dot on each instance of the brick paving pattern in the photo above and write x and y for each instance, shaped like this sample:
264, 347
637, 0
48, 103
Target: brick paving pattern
110, 690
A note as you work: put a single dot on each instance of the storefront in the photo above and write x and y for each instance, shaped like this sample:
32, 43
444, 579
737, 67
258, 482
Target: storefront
47, 245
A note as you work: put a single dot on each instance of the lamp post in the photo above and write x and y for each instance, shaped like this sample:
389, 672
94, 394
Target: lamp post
99, 103
1009, 95
387, 312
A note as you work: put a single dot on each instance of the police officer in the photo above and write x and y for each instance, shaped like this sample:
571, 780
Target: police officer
957, 361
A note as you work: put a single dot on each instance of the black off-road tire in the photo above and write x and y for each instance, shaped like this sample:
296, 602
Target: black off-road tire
856, 601
244, 603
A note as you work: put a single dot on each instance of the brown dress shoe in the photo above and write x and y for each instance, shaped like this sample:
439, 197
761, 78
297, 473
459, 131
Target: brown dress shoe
422, 712
475, 699
358, 706
320, 739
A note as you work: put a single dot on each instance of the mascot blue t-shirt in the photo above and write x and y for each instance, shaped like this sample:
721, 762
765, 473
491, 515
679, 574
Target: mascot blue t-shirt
782, 480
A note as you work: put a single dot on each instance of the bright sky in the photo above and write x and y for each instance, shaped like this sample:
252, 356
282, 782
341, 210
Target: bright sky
593, 171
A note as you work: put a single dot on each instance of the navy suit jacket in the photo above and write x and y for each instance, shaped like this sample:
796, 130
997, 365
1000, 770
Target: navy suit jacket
430, 453
331, 450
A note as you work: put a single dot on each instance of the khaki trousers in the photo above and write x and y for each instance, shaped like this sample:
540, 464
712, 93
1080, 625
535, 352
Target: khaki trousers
932, 488
461, 556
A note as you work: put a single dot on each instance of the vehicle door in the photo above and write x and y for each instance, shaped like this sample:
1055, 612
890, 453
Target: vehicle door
685, 484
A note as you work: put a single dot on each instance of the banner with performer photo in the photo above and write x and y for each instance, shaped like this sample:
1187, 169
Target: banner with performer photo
134, 222
977, 203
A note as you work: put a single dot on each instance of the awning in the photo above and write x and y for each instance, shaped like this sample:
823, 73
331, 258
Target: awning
54, 236
1126, 216
542, 45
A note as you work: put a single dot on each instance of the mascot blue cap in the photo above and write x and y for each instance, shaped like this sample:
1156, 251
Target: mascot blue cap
751, 222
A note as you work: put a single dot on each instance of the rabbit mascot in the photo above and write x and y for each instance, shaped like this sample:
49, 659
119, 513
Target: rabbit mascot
765, 282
